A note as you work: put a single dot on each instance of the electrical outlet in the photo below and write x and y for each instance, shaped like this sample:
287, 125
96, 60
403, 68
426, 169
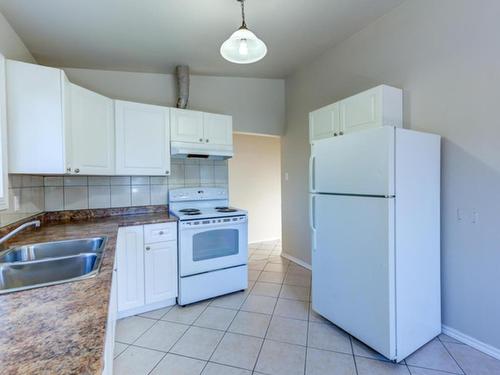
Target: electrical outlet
286, 176
460, 214
16, 203
475, 216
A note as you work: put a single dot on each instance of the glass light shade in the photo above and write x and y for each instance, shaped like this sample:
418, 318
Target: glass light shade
243, 47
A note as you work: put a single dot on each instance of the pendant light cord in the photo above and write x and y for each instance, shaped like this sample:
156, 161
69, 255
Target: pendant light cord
244, 24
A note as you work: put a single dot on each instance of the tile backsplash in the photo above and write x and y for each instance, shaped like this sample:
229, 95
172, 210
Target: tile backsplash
29, 195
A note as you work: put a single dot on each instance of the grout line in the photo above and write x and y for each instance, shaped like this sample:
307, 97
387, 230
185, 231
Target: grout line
451, 355
353, 356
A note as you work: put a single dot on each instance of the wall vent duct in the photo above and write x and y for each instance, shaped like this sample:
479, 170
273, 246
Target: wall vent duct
182, 72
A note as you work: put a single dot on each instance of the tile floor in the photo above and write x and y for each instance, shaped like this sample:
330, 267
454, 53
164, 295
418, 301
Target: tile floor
270, 329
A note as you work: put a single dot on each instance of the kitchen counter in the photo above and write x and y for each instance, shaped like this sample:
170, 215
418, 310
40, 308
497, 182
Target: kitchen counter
61, 329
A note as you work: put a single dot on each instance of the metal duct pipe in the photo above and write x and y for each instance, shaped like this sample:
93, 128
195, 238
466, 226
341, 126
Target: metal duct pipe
182, 85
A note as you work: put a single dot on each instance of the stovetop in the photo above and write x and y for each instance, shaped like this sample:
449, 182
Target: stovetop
207, 212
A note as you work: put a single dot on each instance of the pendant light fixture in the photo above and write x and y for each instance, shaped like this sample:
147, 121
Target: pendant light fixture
243, 46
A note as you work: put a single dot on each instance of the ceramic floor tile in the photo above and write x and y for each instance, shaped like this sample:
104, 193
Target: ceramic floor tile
292, 309
291, 331
257, 265
215, 318
177, 365
373, 367
271, 277
315, 317
217, 369
162, 336
259, 304
253, 275
129, 329
249, 323
118, 349
300, 293
298, 280
321, 362
434, 356
425, 371
136, 361
276, 267
266, 289
238, 351
364, 351
198, 343
279, 358
446, 338
328, 337
230, 301
278, 259
472, 361
187, 314
156, 314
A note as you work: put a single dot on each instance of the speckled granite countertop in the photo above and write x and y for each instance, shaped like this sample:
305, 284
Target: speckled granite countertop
61, 329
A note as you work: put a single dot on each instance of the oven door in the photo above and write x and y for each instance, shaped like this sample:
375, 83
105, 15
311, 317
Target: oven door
209, 247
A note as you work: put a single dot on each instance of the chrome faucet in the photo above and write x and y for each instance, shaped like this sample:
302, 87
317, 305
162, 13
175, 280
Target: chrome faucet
12, 233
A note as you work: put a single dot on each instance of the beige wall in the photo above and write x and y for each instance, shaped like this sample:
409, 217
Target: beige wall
445, 56
254, 184
11, 46
257, 105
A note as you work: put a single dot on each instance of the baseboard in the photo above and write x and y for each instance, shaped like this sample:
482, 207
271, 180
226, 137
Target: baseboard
296, 260
145, 308
476, 344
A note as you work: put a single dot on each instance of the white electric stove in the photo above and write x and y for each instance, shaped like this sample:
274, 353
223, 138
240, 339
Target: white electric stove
213, 243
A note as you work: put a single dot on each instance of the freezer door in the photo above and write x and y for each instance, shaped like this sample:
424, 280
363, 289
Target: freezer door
353, 267
358, 163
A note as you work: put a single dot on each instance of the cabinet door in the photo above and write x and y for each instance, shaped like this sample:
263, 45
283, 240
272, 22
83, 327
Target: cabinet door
4, 200
187, 126
361, 111
142, 139
35, 118
130, 267
324, 122
160, 265
109, 344
92, 132
218, 129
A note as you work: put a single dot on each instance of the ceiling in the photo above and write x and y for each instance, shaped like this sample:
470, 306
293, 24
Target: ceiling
156, 35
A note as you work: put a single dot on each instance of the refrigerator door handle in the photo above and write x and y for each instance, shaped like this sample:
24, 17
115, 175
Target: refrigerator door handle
312, 214
312, 173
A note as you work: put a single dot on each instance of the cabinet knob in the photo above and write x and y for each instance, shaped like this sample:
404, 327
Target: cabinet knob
148, 248
167, 172
161, 232
341, 133
68, 169
206, 140
77, 170
335, 134
201, 139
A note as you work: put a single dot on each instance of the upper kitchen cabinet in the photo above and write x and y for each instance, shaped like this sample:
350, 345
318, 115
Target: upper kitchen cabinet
3, 138
92, 132
187, 126
379, 106
38, 119
324, 122
217, 129
202, 134
143, 139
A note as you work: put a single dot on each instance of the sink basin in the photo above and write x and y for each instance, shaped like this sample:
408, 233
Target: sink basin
50, 263
52, 250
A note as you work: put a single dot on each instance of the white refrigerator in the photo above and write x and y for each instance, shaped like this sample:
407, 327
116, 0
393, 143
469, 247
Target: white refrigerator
375, 224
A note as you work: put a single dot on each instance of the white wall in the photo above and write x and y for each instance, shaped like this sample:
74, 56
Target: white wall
11, 46
257, 105
254, 184
445, 56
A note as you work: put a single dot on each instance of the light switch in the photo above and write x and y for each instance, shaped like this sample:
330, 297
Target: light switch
286, 176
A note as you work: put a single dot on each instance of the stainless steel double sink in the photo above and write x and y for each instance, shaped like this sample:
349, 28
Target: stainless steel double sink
50, 263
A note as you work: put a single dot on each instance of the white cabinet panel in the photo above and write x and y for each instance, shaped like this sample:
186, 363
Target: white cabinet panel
109, 344
4, 199
130, 267
160, 266
142, 139
160, 232
218, 129
36, 118
324, 122
92, 132
187, 126
361, 111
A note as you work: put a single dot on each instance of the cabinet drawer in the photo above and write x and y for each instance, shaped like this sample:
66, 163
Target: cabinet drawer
160, 232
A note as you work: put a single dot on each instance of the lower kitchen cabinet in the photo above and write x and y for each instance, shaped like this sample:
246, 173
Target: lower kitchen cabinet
146, 268
109, 345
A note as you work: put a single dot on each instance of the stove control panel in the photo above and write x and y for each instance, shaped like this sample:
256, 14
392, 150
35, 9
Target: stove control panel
214, 221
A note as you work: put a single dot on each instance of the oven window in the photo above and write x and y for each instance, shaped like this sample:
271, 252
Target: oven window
215, 244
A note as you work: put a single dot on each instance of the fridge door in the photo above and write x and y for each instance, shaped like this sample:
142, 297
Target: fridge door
353, 267
359, 163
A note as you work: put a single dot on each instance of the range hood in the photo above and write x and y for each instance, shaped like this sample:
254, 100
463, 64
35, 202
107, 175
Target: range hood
184, 150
